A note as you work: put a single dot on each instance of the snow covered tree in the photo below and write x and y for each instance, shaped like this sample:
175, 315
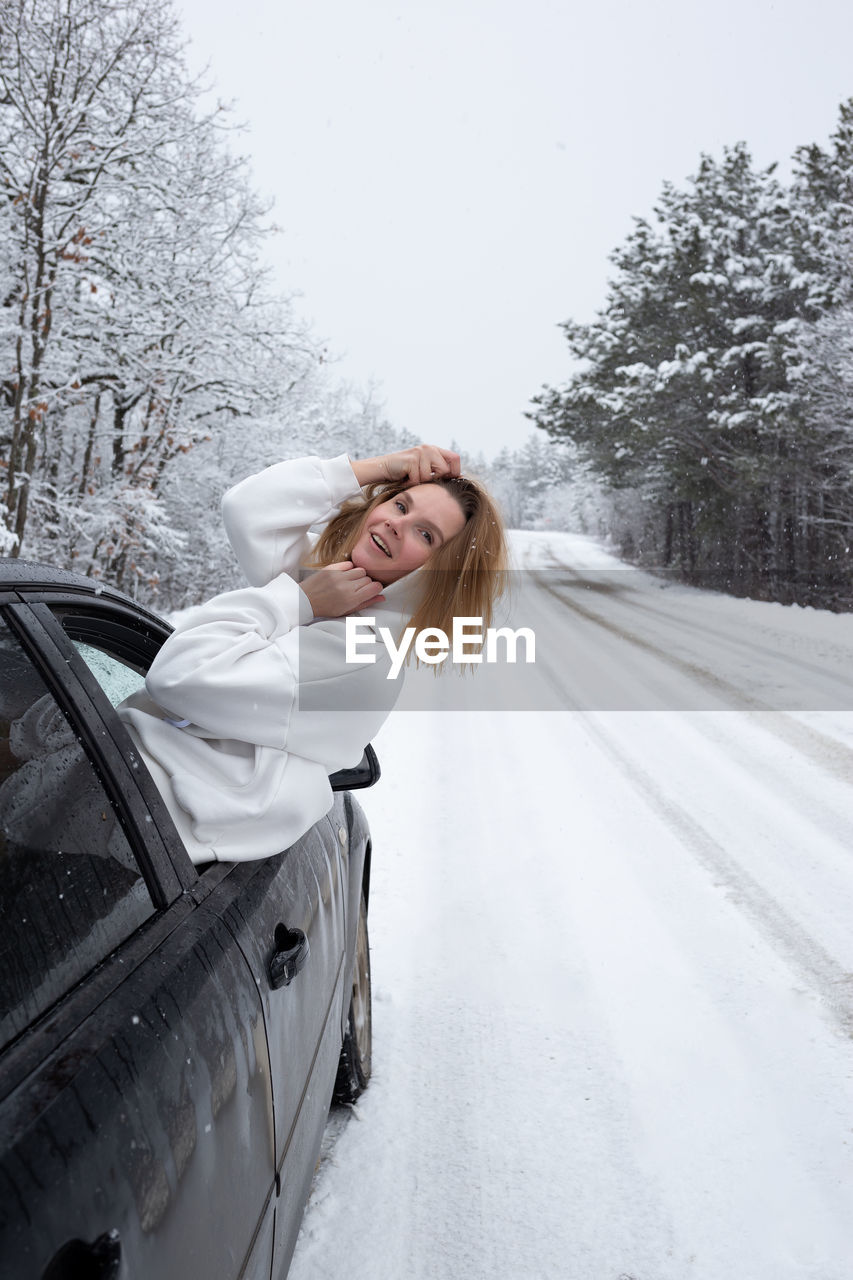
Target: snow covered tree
684, 391
823, 209
527, 481
820, 533
85, 91
137, 318
183, 341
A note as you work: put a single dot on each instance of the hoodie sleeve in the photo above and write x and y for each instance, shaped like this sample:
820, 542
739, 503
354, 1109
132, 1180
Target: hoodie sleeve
241, 666
267, 516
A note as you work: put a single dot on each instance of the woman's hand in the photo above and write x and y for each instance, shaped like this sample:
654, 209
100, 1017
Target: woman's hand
418, 465
339, 589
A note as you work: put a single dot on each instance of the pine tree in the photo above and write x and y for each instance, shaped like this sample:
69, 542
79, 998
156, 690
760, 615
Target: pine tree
684, 390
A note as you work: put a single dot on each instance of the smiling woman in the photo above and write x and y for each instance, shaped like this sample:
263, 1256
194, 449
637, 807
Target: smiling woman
253, 700
401, 533
417, 510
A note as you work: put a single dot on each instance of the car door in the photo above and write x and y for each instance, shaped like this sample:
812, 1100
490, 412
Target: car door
293, 904
288, 908
136, 1133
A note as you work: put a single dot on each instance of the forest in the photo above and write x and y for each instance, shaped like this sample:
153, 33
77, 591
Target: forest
712, 395
147, 361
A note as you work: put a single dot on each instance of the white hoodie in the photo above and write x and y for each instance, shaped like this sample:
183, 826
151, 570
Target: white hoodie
250, 703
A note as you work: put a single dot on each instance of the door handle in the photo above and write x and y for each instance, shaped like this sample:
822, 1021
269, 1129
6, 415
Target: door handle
100, 1260
291, 952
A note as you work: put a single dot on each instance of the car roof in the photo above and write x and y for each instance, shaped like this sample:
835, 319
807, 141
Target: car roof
30, 575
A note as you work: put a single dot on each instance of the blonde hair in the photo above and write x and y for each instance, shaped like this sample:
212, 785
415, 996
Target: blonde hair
464, 577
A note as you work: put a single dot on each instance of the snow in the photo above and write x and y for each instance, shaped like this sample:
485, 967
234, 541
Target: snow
613, 971
736, 653
540, 550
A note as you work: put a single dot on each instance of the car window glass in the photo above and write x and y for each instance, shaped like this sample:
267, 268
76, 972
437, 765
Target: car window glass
117, 680
71, 890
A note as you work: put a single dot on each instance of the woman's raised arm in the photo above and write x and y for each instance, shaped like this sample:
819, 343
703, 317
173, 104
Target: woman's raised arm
267, 516
418, 465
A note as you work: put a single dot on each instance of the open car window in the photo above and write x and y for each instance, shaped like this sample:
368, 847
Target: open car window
117, 646
117, 679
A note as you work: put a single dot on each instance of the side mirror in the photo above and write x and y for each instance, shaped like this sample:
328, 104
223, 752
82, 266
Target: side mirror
365, 773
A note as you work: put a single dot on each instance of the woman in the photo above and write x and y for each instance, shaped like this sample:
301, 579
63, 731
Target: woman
251, 703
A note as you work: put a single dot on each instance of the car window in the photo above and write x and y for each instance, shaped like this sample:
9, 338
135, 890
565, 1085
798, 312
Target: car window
71, 890
117, 680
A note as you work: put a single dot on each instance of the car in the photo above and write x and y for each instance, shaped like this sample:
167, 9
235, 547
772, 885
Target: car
172, 1035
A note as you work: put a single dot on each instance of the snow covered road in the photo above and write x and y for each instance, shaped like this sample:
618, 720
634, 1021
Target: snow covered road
613, 962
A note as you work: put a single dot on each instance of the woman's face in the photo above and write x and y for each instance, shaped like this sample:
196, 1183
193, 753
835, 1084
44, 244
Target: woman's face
401, 534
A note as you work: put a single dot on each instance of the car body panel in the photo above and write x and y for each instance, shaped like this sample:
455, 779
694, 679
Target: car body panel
122, 1127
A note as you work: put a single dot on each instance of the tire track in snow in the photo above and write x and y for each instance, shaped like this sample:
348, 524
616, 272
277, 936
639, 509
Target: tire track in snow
830, 754
498, 1112
674, 619
489, 994
817, 968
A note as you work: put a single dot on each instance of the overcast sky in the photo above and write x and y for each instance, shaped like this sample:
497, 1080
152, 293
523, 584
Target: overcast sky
450, 177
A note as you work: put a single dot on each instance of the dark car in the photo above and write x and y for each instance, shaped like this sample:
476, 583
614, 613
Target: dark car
170, 1035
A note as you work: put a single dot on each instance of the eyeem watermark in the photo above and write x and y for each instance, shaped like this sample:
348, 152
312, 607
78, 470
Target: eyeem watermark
468, 643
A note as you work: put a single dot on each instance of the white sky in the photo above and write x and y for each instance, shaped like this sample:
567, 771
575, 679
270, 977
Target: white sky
450, 177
